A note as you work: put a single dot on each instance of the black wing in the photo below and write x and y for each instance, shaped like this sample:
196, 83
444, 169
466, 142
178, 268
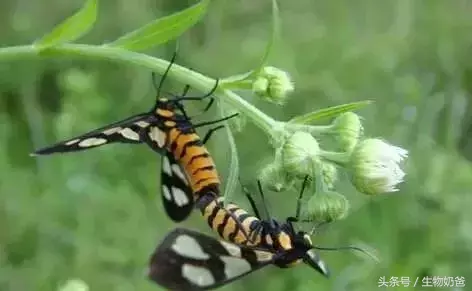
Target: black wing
188, 260
177, 195
155, 136
123, 131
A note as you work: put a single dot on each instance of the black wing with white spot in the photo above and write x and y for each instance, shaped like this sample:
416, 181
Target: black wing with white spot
177, 195
155, 136
124, 131
188, 260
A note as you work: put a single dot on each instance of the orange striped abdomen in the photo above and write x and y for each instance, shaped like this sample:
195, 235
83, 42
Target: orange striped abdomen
194, 158
231, 223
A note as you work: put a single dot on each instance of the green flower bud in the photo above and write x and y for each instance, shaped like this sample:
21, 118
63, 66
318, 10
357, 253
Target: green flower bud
300, 154
374, 166
276, 178
327, 207
329, 173
348, 128
273, 85
260, 86
74, 285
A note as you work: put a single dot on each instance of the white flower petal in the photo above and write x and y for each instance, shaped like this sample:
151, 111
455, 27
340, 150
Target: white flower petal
375, 166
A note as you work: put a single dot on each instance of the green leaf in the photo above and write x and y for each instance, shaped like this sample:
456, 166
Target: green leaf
244, 81
72, 28
163, 29
329, 112
273, 37
232, 178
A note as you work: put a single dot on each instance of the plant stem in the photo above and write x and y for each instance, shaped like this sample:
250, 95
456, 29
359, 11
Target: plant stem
337, 157
313, 129
184, 75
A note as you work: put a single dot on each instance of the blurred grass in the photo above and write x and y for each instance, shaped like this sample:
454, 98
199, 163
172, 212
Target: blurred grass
97, 215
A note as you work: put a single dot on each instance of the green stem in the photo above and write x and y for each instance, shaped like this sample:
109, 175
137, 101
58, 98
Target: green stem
179, 73
337, 157
313, 129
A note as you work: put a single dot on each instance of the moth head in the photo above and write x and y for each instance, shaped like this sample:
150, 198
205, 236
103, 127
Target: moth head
310, 257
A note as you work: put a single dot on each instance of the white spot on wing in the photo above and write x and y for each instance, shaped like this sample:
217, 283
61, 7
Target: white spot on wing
157, 136
93, 141
233, 249
178, 171
129, 134
180, 197
197, 275
142, 123
166, 165
111, 130
71, 142
263, 256
166, 193
188, 247
235, 266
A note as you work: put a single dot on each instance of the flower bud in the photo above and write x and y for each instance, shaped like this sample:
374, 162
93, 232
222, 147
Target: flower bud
348, 128
273, 85
260, 86
375, 168
327, 206
300, 154
329, 173
276, 178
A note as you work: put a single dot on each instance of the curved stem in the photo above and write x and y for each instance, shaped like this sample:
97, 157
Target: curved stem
179, 73
313, 129
336, 157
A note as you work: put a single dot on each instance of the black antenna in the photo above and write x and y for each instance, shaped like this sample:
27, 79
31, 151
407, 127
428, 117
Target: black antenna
197, 98
186, 89
253, 233
299, 201
353, 248
214, 121
318, 225
259, 186
164, 76
212, 100
252, 202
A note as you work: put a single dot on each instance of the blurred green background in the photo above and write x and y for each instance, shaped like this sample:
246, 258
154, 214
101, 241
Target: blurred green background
97, 215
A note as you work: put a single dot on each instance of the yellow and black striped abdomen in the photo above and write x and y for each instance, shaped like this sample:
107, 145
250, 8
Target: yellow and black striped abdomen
193, 157
247, 222
231, 223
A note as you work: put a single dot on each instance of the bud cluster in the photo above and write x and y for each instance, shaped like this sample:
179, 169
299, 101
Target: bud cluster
273, 85
373, 166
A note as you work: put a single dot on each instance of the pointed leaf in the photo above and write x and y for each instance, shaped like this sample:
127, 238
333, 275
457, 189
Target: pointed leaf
233, 174
329, 112
240, 81
244, 81
275, 28
72, 28
163, 29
